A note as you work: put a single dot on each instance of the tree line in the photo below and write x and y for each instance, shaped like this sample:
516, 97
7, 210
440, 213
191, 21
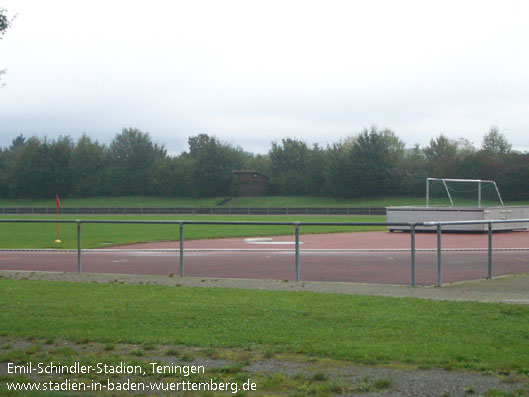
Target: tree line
371, 163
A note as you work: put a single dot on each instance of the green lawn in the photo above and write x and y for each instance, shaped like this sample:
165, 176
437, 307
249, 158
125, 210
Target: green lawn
42, 235
269, 201
373, 330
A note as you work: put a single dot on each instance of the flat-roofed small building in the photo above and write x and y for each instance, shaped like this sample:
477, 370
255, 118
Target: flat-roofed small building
251, 183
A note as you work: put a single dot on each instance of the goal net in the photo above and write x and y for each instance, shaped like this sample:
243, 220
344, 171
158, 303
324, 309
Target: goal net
462, 193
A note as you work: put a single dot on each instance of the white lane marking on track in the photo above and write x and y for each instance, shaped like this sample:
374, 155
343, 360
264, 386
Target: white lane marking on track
12, 257
120, 260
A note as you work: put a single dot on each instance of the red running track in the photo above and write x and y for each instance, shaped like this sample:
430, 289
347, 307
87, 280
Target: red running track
277, 260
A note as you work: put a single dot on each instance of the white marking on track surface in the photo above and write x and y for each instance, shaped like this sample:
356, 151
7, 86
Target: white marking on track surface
12, 257
267, 240
120, 260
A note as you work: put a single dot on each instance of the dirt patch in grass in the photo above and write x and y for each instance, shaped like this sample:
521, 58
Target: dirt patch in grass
272, 372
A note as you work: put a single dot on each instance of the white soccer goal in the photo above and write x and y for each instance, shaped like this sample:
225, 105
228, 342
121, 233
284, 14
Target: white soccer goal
462, 192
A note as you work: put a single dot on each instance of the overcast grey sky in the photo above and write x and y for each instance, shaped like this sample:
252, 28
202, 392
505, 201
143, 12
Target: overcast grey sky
251, 72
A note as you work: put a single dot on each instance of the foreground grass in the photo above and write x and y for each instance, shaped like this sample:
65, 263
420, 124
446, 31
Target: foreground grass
268, 201
371, 330
42, 235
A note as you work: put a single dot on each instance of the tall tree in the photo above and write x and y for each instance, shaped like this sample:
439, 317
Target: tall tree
88, 167
292, 167
415, 171
4, 172
442, 156
377, 156
338, 169
495, 143
18, 142
61, 151
132, 155
212, 163
32, 170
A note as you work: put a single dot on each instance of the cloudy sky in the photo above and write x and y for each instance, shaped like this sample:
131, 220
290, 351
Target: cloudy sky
253, 72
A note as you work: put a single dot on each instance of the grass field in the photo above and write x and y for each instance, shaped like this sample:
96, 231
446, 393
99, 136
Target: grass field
42, 235
372, 330
269, 201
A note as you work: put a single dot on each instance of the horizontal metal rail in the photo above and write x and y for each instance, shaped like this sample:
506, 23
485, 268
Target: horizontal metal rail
413, 225
188, 222
193, 210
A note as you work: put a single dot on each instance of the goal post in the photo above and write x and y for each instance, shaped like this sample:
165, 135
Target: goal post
467, 190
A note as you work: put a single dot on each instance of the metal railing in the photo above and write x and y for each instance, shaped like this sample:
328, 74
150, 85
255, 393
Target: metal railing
192, 210
297, 225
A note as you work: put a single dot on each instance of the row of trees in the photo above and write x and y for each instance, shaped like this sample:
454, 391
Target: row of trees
371, 163
131, 165
377, 163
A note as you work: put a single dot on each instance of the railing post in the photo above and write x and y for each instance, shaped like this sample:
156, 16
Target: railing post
490, 250
181, 249
297, 251
79, 268
412, 232
439, 277
479, 194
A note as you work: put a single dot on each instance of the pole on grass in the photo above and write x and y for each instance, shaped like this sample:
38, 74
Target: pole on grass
297, 251
57, 205
412, 232
439, 278
490, 250
79, 269
181, 249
